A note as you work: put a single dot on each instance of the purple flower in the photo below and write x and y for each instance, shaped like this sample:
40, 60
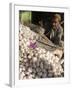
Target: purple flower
32, 45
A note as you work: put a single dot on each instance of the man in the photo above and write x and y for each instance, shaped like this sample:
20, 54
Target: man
56, 31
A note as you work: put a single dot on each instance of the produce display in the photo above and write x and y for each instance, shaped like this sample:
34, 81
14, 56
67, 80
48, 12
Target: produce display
34, 60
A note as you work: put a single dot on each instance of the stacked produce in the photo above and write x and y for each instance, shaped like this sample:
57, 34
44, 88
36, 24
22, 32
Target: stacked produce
34, 61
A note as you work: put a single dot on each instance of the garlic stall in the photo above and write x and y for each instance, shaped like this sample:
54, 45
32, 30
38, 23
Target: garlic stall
35, 61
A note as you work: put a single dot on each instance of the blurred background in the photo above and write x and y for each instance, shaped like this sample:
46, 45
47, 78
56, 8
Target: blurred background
44, 19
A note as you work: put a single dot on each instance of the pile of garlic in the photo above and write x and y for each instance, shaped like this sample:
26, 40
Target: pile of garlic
38, 62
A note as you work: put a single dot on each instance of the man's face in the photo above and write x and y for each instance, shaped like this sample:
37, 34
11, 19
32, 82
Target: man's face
55, 23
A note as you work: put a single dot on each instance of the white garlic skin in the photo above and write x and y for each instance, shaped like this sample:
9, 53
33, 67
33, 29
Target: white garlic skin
34, 62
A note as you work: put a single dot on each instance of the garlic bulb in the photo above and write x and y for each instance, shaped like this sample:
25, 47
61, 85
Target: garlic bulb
29, 56
34, 59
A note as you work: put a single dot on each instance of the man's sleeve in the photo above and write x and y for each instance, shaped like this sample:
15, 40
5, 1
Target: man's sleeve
60, 33
51, 34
